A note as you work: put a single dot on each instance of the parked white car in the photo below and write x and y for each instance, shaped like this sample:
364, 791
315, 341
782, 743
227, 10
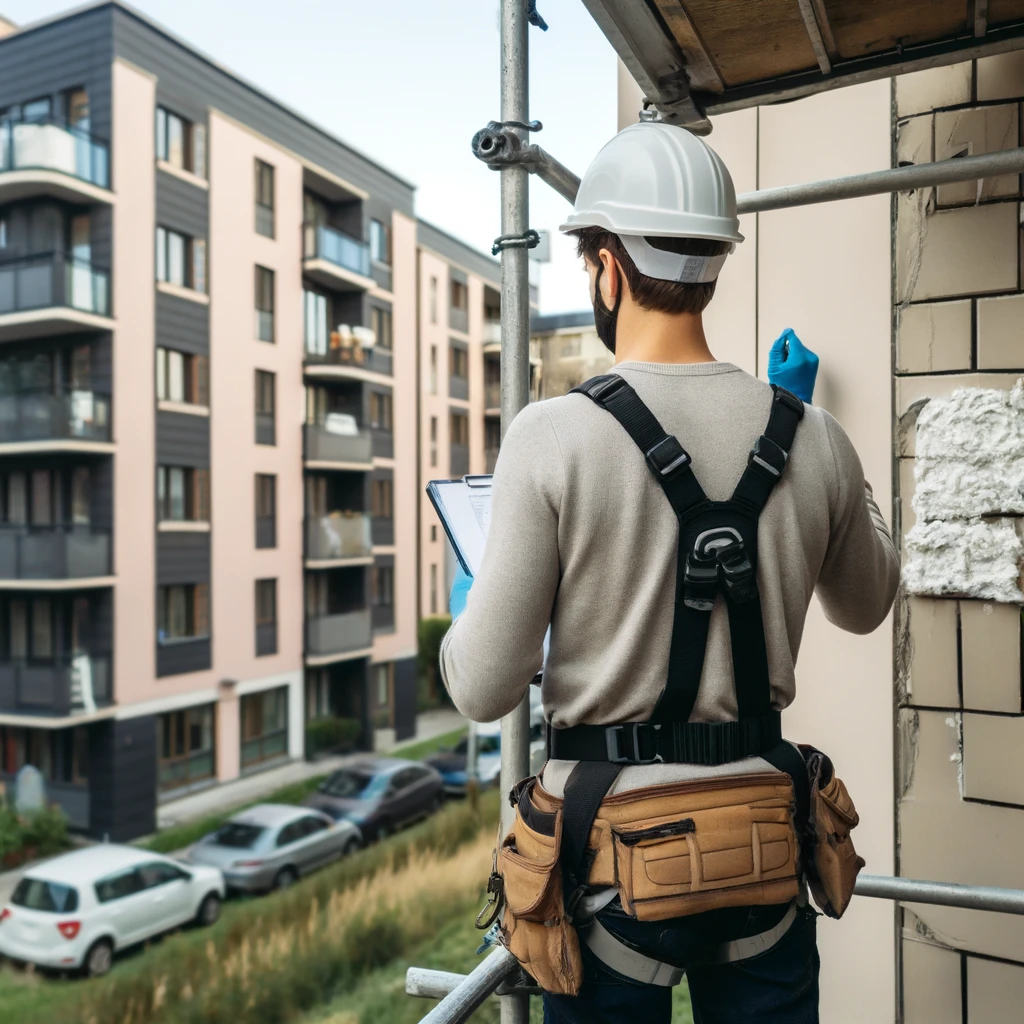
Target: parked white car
76, 911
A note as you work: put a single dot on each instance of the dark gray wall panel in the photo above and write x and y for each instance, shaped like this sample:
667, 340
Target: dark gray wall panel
122, 778
405, 698
181, 205
190, 83
182, 324
182, 440
75, 51
183, 656
101, 493
182, 558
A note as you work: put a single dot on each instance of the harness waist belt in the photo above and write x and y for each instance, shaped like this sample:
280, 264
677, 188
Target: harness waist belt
706, 743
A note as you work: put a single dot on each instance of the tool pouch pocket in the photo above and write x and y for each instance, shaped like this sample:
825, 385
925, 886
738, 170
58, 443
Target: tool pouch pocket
535, 928
834, 865
730, 844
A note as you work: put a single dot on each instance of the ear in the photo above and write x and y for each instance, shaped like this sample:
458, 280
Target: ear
611, 279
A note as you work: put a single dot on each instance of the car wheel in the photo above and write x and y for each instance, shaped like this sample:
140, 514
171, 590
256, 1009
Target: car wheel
284, 879
351, 846
209, 910
99, 959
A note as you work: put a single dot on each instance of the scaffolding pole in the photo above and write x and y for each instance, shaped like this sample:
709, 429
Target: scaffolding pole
515, 364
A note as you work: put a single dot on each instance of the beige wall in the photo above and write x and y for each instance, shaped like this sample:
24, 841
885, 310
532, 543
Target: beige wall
134, 273
825, 272
402, 642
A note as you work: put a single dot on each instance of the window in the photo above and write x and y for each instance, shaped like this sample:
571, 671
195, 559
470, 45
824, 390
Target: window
182, 377
264, 720
460, 361
266, 617
380, 410
383, 673
459, 428
80, 496
180, 143
183, 494
3, 233
265, 431
187, 751
433, 440
380, 242
180, 260
315, 317
266, 506
42, 628
264, 304
159, 873
381, 492
383, 579
183, 612
433, 533
380, 324
433, 300
264, 199
433, 584
433, 369
459, 295
119, 886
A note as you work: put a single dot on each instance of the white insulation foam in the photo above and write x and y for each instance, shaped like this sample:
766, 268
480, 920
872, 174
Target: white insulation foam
969, 465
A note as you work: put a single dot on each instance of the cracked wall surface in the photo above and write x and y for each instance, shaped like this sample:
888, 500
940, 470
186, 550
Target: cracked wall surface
959, 446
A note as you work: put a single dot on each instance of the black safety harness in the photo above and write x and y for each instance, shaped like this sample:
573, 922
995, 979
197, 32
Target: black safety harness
717, 555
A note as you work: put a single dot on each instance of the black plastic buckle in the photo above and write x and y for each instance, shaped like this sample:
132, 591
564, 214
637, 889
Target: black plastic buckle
767, 458
737, 572
614, 734
700, 582
606, 387
668, 457
790, 401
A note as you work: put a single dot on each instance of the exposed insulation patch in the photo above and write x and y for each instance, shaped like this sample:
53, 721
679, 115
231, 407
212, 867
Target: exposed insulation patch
969, 464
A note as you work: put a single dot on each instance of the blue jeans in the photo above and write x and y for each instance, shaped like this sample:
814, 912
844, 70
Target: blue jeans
779, 986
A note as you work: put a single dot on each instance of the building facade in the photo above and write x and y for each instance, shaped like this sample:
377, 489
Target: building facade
207, 437
566, 351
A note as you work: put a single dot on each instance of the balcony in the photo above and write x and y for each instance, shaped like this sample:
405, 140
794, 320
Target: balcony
341, 449
492, 397
64, 685
492, 336
70, 420
343, 355
46, 159
458, 319
459, 455
458, 387
51, 294
53, 556
336, 637
340, 538
335, 260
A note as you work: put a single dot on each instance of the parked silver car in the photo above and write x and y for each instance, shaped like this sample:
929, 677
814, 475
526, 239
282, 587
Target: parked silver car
270, 845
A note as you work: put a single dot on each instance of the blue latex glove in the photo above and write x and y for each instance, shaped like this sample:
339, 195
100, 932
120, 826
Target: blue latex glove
460, 591
792, 365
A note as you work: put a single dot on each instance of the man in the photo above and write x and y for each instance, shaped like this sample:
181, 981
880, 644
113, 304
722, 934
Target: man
582, 537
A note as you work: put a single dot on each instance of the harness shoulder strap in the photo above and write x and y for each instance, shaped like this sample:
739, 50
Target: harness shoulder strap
770, 453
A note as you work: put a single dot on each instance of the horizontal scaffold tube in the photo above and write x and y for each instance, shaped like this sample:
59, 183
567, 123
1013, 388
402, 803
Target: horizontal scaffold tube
855, 186
943, 894
473, 991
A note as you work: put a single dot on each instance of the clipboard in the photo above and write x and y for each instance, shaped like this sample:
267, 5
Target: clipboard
464, 508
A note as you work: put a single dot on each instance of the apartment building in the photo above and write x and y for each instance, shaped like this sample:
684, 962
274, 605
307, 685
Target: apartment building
566, 351
207, 443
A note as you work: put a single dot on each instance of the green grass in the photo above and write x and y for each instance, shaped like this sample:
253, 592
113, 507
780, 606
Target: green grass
177, 837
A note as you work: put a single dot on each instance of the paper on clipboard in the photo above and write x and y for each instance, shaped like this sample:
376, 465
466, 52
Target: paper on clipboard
464, 508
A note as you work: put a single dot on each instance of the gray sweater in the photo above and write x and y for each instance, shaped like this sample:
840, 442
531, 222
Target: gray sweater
582, 537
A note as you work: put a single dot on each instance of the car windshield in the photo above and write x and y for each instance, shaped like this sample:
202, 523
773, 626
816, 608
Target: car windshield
237, 835
36, 894
355, 785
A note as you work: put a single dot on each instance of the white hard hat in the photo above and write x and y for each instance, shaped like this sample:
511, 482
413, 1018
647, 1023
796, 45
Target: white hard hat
659, 180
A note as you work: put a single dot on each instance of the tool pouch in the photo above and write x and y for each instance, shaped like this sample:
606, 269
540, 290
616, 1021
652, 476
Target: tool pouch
833, 864
690, 847
535, 927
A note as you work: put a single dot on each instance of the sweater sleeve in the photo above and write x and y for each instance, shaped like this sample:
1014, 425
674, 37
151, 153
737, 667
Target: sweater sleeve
861, 571
495, 647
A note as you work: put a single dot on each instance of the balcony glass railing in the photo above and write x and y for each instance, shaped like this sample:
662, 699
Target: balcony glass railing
492, 394
59, 685
71, 414
337, 440
324, 243
339, 535
338, 634
492, 332
53, 552
48, 146
41, 282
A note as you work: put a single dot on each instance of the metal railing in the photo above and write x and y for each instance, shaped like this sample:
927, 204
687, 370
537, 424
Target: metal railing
338, 535
50, 280
70, 414
53, 552
325, 243
49, 146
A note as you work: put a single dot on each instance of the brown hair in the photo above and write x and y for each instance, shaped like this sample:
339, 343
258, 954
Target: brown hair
649, 292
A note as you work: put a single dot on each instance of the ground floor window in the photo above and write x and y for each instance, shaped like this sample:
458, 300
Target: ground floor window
61, 755
187, 747
264, 726
318, 694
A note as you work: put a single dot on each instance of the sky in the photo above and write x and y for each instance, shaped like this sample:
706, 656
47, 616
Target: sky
408, 82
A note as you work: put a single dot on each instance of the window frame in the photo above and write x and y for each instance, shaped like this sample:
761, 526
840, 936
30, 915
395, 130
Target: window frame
264, 188
195, 600
264, 294
380, 242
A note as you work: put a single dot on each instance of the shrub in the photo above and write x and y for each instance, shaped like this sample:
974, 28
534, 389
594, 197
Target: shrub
431, 633
12, 832
46, 831
331, 734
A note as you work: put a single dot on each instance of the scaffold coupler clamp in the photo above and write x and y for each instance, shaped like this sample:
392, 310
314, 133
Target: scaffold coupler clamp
529, 239
499, 146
